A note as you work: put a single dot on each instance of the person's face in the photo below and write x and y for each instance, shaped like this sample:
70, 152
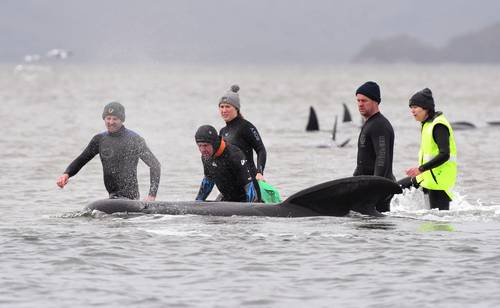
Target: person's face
227, 112
419, 113
206, 149
366, 106
113, 123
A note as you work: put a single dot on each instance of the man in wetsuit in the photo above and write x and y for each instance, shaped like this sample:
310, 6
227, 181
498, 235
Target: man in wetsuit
376, 139
224, 165
120, 150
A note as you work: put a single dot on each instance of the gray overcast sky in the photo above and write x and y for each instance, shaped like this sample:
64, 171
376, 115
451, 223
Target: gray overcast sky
228, 30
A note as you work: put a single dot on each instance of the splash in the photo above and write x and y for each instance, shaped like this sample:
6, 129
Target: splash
413, 203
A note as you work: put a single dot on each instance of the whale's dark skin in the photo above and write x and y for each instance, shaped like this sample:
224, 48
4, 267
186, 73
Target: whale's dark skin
333, 198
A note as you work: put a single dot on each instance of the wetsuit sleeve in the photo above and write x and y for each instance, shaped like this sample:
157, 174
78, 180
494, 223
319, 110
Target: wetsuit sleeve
90, 152
251, 193
441, 136
154, 167
381, 145
205, 189
255, 141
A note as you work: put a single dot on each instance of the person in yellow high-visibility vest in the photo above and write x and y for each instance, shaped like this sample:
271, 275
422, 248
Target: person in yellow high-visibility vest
437, 170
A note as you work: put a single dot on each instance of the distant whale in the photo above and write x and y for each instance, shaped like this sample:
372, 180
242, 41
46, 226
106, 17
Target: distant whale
333, 198
313, 125
461, 125
312, 122
347, 115
334, 135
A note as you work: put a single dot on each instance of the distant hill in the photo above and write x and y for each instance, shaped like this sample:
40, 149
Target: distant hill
482, 46
401, 48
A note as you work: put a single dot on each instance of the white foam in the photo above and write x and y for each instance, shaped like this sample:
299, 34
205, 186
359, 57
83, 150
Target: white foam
412, 203
179, 233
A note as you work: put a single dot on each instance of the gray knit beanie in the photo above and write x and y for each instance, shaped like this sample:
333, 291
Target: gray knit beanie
114, 109
231, 97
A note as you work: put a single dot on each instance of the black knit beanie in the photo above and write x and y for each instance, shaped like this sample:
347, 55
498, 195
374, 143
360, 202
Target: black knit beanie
114, 109
423, 99
208, 134
371, 90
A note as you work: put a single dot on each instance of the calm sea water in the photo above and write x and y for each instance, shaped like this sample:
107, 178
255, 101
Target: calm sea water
52, 254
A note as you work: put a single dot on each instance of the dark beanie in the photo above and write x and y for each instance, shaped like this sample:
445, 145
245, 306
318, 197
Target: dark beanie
231, 97
208, 134
423, 99
371, 90
114, 109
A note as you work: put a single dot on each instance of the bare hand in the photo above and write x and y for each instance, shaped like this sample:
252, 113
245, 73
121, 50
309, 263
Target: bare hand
260, 177
150, 198
62, 180
413, 172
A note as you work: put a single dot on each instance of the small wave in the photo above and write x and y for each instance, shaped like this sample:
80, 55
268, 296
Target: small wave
88, 213
76, 214
190, 233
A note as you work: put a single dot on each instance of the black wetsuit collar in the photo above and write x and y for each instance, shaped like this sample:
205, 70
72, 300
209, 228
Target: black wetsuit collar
234, 121
430, 119
376, 114
118, 133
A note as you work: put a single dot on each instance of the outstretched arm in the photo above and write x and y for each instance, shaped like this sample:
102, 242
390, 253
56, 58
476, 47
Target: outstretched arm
90, 151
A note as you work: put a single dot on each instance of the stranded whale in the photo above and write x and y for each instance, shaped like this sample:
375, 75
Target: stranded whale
333, 198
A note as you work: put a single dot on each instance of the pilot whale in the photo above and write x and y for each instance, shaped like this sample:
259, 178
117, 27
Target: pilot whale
333, 198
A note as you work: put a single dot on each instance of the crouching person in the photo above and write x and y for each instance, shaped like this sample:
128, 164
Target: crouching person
224, 165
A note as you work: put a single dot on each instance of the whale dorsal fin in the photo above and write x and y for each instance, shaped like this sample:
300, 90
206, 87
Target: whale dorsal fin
312, 123
338, 197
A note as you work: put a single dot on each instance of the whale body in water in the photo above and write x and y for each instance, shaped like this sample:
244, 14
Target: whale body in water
333, 198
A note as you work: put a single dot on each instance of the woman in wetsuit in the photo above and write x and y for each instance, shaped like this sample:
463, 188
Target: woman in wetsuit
241, 132
437, 168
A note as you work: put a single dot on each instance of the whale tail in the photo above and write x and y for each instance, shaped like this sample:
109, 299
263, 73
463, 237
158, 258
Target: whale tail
336, 198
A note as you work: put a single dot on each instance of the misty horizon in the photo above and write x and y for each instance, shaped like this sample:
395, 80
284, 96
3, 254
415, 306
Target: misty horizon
228, 31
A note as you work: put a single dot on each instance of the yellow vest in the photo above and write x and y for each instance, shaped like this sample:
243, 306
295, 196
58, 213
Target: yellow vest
443, 176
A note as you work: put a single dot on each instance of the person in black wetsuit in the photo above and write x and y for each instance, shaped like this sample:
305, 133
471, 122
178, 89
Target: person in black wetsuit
224, 165
376, 139
120, 150
437, 158
241, 132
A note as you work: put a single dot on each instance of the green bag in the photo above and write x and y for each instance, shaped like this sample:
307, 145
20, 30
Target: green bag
268, 193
